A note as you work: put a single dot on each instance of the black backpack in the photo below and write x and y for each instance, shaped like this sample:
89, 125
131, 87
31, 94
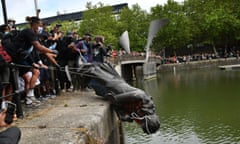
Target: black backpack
8, 44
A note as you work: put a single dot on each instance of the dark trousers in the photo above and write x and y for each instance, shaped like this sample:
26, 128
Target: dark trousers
63, 80
11, 135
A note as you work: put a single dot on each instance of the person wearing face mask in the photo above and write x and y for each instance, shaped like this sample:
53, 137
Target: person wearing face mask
11, 24
25, 44
40, 30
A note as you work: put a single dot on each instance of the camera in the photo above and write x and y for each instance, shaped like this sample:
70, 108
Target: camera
11, 110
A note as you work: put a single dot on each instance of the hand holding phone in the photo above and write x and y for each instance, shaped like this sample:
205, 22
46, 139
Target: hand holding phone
10, 111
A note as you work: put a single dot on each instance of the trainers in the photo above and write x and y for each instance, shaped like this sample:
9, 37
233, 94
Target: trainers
43, 98
32, 105
31, 100
51, 96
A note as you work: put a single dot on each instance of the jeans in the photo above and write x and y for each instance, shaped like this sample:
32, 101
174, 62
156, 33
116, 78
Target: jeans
11, 135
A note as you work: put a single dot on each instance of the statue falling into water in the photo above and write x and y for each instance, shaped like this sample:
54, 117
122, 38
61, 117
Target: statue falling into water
130, 103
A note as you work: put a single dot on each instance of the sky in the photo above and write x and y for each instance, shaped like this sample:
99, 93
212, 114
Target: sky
19, 9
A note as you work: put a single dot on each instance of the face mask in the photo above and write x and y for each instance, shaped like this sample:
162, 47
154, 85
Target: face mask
40, 29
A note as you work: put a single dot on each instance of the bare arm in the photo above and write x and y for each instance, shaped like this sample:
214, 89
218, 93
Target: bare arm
41, 48
49, 53
57, 36
2, 118
73, 47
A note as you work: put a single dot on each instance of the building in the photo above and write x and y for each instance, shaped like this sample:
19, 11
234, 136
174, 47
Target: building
76, 16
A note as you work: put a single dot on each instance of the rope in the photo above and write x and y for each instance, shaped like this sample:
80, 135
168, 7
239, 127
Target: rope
61, 69
146, 118
8, 95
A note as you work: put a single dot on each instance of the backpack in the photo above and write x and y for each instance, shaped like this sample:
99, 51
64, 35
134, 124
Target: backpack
4, 56
8, 44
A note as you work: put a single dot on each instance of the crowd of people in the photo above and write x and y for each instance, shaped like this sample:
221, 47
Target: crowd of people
43, 58
44, 62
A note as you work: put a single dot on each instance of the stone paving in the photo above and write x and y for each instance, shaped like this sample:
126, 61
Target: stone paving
71, 118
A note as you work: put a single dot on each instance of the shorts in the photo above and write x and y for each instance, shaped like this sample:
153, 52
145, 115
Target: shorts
44, 75
5, 75
24, 68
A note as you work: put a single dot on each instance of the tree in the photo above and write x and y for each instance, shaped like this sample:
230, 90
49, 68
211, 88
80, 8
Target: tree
177, 33
136, 22
99, 20
216, 22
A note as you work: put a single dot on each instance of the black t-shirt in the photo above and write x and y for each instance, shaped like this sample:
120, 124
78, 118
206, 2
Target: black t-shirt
98, 53
25, 38
65, 53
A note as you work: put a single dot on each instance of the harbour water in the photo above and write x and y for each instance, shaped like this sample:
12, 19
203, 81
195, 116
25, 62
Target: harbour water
194, 107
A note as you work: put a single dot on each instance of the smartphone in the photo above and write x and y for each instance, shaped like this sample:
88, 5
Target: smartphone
11, 110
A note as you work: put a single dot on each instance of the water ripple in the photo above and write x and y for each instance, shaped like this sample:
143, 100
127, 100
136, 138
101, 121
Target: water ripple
176, 130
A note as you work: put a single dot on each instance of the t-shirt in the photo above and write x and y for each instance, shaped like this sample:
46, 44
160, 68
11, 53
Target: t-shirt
25, 38
98, 53
82, 45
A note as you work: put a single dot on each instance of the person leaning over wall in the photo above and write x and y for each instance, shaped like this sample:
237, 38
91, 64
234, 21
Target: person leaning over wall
21, 47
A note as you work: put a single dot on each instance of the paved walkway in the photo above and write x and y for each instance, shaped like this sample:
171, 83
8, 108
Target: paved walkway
71, 118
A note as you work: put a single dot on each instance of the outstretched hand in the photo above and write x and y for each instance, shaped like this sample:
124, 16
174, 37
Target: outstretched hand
2, 119
43, 66
52, 57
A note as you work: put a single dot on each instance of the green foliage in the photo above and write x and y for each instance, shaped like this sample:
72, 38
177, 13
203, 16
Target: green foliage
67, 26
99, 20
198, 21
178, 32
136, 22
193, 22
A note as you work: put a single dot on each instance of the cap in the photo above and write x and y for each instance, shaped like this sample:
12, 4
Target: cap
44, 34
11, 20
69, 34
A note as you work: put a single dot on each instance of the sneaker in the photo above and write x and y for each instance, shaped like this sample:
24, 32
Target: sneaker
31, 100
43, 98
51, 96
32, 105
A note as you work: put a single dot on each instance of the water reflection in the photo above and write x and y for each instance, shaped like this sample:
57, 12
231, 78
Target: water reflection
194, 107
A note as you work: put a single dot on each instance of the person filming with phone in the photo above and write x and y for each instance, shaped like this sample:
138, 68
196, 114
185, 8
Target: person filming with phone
8, 134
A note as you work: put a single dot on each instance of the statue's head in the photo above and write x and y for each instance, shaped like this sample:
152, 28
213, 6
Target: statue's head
150, 124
